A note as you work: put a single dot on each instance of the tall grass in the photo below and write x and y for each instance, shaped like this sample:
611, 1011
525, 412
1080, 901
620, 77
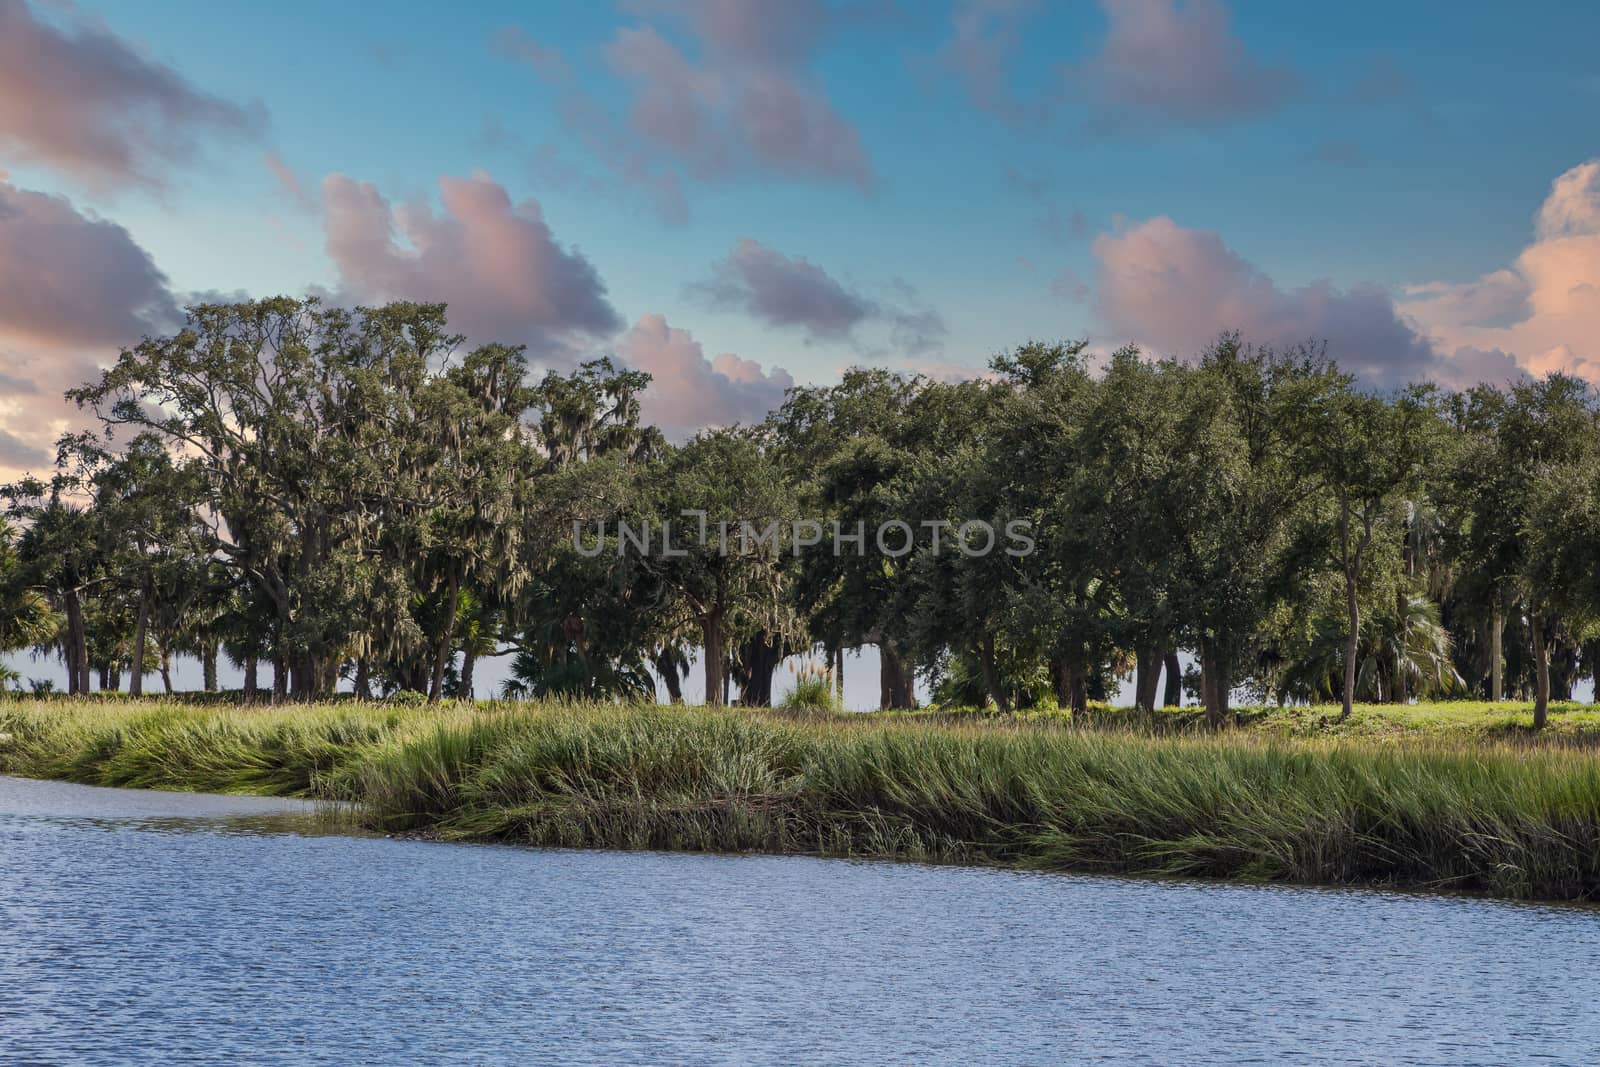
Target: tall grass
1487, 816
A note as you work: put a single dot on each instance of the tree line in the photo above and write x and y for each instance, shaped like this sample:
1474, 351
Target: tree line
331, 494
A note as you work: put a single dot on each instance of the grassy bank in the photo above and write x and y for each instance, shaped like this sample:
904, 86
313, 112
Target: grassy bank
1437, 810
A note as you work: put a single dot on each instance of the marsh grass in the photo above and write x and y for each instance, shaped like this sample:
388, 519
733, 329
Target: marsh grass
1458, 809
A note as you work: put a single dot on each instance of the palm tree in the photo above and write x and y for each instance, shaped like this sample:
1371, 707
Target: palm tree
1402, 653
25, 615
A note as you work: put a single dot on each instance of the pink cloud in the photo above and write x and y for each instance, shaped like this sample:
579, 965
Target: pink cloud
80, 99
1545, 307
74, 290
289, 182
1175, 289
497, 265
71, 280
687, 391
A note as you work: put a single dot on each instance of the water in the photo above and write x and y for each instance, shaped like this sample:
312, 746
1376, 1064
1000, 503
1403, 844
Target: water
170, 928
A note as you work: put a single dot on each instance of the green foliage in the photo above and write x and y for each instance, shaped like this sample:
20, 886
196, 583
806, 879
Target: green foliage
349, 494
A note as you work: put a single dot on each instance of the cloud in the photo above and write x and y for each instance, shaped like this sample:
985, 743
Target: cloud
985, 35
1175, 289
81, 100
1166, 62
1052, 221
1545, 307
74, 289
688, 391
497, 265
546, 61
289, 182
750, 107
742, 99
795, 293
785, 292
20, 455
73, 280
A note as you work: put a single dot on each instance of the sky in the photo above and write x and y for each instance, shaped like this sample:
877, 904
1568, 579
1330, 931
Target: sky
742, 197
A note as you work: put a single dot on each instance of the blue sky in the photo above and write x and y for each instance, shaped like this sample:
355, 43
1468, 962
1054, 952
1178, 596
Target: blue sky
1366, 145
740, 196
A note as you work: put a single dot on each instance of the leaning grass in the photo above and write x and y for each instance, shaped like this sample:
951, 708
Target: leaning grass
1464, 810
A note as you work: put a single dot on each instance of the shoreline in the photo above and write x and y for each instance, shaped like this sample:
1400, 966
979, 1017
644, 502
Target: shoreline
1474, 817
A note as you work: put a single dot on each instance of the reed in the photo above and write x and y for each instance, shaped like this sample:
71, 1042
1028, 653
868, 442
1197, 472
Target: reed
1437, 810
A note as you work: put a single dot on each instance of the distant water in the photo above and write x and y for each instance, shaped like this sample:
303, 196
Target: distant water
158, 928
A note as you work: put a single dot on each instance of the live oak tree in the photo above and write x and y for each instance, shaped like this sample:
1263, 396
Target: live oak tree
849, 450
1232, 504
1365, 457
723, 501
298, 422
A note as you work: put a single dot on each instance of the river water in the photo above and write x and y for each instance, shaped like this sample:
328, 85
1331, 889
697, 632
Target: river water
168, 928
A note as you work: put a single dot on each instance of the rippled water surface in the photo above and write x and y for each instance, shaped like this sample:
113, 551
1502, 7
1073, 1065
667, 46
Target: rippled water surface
168, 928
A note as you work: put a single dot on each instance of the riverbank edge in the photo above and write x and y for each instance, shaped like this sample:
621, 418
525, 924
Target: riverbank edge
1495, 818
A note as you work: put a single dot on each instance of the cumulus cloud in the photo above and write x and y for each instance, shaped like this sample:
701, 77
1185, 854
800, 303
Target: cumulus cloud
1545, 307
791, 292
73, 280
82, 100
1171, 62
1175, 289
497, 264
74, 289
688, 391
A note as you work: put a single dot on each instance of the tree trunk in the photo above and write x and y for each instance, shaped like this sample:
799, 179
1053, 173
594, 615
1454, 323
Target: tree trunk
208, 665
838, 674
280, 677
1071, 686
1497, 659
77, 650
251, 679
166, 671
116, 679
1541, 666
1352, 641
1146, 673
991, 676
141, 631
1173, 696
761, 658
667, 667
896, 688
1214, 685
363, 678
441, 657
711, 634
469, 660
1402, 684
